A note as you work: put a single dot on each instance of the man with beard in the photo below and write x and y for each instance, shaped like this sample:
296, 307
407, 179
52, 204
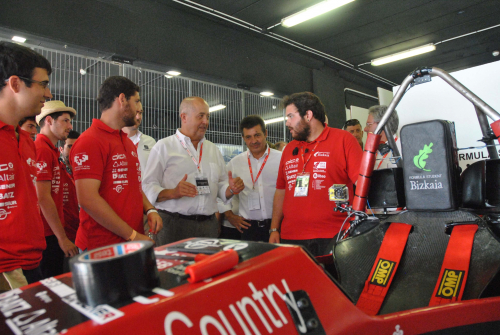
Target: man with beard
24, 88
29, 124
107, 172
142, 142
55, 125
258, 168
317, 158
184, 176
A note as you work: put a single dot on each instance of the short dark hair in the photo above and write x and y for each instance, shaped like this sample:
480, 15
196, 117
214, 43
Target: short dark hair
350, 123
112, 87
251, 121
305, 101
25, 119
18, 60
73, 134
54, 116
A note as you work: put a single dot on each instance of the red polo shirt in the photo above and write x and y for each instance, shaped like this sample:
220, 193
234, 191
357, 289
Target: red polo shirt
335, 160
21, 239
108, 155
49, 169
70, 205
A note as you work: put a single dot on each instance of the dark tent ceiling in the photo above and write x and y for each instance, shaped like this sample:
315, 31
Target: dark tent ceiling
367, 29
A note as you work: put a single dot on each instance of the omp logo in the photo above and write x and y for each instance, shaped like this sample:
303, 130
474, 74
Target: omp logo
41, 165
119, 156
383, 272
419, 160
321, 154
450, 284
80, 159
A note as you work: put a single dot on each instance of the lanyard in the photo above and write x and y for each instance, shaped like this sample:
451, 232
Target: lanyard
302, 156
190, 154
261, 168
384, 157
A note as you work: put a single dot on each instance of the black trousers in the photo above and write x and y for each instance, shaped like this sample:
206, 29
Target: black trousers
52, 258
34, 275
230, 233
258, 231
316, 246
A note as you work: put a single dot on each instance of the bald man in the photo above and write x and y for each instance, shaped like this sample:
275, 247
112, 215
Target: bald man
184, 176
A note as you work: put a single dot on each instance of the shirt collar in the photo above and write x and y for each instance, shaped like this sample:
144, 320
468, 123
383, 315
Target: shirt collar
42, 137
7, 126
263, 156
185, 138
102, 126
136, 138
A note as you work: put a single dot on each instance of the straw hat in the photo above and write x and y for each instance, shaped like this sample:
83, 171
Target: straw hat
53, 106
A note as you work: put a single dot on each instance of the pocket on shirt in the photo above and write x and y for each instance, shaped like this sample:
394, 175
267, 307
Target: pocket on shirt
214, 172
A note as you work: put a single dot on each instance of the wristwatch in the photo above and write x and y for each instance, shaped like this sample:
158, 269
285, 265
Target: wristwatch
273, 230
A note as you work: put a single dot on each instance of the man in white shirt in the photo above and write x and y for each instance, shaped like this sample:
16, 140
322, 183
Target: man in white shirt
227, 230
142, 142
184, 176
258, 168
385, 159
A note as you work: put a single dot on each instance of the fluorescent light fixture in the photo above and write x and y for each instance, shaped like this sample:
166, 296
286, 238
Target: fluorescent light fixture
216, 108
167, 76
173, 73
266, 94
404, 54
313, 11
19, 39
278, 119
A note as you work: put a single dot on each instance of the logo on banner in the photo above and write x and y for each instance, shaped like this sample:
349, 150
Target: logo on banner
450, 284
419, 160
383, 272
80, 159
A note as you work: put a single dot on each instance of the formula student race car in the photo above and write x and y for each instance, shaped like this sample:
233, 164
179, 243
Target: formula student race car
432, 268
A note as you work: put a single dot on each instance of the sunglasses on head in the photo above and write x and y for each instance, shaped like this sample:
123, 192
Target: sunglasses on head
351, 122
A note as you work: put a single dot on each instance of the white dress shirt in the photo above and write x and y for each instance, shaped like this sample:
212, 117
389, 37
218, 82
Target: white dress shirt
388, 160
265, 185
233, 206
168, 162
144, 144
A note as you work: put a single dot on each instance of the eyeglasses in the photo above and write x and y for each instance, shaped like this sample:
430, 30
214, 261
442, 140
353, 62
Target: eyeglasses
368, 124
44, 84
351, 122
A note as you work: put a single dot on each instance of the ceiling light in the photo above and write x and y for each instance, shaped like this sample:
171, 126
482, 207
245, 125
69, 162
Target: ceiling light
167, 76
83, 72
266, 94
216, 108
19, 39
404, 54
313, 11
495, 53
278, 119
173, 73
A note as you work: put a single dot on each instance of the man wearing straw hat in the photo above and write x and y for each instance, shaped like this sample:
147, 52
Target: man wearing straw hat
55, 125
24, 80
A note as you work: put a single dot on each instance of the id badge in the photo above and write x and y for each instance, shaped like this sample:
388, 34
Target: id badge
301, 185
202, 184
253, 200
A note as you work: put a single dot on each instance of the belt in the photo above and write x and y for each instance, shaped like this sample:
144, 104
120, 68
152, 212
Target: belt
188, 217
261, 223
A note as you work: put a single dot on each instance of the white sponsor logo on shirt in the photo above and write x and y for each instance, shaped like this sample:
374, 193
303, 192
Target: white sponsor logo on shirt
41, 165
317, 175
134, 154
4, 167
321, 154
119, 156
293, 160
80, 159
118, 188
320, 165
3, 214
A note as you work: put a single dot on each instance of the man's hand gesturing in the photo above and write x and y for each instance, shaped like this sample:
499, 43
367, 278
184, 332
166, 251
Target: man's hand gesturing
185, 189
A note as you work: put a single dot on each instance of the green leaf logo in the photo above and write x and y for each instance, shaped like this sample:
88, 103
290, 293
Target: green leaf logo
419, 160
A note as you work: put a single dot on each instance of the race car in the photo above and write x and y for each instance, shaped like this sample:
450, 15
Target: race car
430, 268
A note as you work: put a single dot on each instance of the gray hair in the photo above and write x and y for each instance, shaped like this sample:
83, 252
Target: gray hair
378, 112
